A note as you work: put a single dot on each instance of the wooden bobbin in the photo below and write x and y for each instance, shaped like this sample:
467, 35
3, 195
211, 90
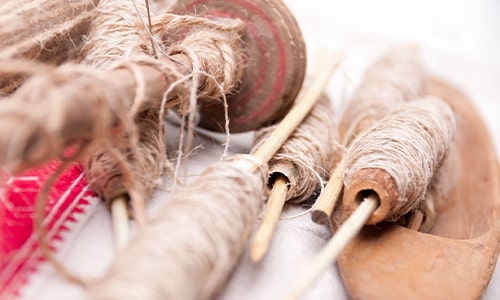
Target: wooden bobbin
275, 62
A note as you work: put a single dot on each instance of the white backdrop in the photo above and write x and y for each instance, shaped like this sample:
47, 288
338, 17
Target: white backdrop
460, 39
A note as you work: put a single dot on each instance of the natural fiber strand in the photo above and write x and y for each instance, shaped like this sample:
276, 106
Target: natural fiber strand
410, 145
308, 154
100, 100
43, 30
129, 164
111, 177
396, 77
190, 247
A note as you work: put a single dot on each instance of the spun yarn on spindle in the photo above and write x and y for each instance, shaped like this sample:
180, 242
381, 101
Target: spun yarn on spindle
395, 78
308, 155
190, 247
399, 155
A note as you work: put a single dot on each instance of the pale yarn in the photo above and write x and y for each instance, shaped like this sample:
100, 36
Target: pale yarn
308, 155
49, 31
189, 249
127, 164
34, 136
115, 42
115, 35
395, 78
410, 145
117, 168
208, 42
43, 29
101, 103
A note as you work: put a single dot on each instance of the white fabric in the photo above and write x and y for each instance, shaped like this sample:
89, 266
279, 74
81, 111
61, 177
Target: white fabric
459, 41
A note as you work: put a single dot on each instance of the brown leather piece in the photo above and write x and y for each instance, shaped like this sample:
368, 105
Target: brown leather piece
457, 259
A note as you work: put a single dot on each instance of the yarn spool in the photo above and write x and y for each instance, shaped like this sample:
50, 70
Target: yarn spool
189, 248
388, 171
397, 158
456, 259
306, 155
395, 78
297, 169
206, 235
122, 170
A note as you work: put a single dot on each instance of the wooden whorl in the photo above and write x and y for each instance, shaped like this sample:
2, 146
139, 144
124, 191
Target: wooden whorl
378, 181
275, 63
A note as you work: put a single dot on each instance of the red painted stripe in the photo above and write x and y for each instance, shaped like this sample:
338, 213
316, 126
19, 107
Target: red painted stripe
280, 75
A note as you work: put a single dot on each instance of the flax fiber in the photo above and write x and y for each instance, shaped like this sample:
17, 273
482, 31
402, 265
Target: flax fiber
308, 155
410, 145
48, 31
396, 77
104, 102
189, 249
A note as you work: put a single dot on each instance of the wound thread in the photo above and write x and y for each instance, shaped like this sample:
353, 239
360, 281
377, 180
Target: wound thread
48, 31
111, 98
114, 173
309, 153
115, 35
190, 247
410, 145
395, 78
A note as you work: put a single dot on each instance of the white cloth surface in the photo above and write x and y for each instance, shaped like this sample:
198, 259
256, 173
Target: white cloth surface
460, 41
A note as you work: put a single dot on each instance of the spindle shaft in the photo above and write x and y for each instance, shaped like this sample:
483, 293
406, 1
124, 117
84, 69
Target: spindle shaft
334, 247
272, 213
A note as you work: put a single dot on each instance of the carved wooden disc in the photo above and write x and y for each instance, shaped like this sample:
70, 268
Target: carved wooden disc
274, 68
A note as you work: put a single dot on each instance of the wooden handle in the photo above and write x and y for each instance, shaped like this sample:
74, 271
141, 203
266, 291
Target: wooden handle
119, 215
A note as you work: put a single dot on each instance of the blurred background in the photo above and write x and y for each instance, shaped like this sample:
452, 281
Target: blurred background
459, 39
